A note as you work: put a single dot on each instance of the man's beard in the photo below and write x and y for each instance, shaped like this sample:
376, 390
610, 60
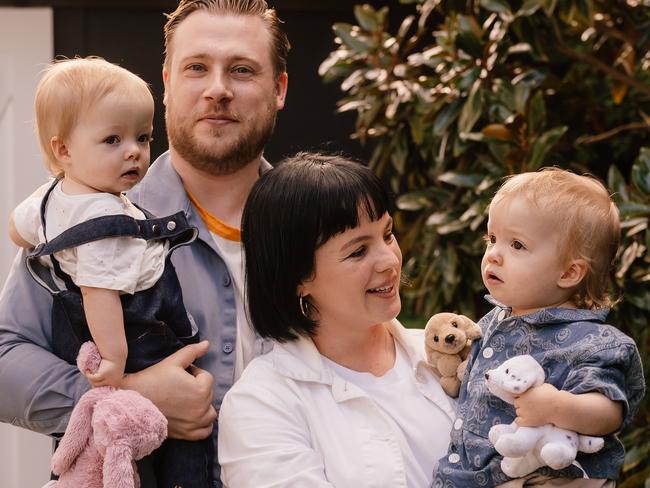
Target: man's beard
211, 158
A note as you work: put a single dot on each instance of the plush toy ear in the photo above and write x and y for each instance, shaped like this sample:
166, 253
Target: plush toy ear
472, 330
77, 434
118, 466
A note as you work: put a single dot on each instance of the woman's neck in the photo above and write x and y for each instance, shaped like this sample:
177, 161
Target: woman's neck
370, 350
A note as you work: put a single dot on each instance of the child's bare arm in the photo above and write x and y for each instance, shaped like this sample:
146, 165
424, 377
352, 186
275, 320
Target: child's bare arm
15, 236
587, 413
104, 314
23, 207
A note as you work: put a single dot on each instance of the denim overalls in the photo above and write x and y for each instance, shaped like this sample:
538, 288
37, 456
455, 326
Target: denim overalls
155, 321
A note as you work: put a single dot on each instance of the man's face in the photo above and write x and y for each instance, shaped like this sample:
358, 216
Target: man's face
221, 93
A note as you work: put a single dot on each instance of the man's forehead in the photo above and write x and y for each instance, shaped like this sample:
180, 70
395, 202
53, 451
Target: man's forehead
203, 32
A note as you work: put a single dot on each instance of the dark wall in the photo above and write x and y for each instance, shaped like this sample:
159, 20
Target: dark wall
133, 38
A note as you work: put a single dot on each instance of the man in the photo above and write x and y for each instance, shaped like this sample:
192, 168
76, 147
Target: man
225, 79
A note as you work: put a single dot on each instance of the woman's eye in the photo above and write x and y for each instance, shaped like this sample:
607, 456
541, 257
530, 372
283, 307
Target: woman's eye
518, 245
112, 140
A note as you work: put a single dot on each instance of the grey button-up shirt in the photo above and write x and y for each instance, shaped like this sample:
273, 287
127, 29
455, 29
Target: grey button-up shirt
579, 354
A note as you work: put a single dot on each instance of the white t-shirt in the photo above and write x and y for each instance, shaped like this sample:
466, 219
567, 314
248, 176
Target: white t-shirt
125, 264
233, 255
396, 394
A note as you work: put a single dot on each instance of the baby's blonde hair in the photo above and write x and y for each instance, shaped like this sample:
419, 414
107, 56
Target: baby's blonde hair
587, 218
71, 86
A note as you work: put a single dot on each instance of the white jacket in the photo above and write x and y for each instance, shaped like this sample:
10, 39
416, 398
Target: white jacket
290, 421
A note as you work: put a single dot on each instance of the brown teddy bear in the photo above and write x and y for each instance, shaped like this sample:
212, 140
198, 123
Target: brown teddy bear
447, 340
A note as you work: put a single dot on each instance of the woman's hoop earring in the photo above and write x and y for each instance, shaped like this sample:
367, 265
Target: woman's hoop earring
304, 307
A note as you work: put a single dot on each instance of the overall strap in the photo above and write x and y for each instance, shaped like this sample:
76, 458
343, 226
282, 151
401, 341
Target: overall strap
173, 227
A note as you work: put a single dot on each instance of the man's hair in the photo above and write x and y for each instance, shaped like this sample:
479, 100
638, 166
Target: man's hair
68, 87
585, 216
291, 211
279, 43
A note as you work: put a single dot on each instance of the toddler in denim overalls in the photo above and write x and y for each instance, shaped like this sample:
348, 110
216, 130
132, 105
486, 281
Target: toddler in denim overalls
551, 241
104, 260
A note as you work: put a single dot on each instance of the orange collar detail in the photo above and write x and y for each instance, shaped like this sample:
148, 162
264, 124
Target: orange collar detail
214, 224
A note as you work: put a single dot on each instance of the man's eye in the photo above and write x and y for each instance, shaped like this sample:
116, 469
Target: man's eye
112, 140
196, 67
388, 237
518, 245
242, 70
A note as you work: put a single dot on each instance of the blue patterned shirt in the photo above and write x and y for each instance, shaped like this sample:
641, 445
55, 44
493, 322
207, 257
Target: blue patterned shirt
579, 354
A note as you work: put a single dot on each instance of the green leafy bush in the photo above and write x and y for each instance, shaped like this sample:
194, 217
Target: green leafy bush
464, 93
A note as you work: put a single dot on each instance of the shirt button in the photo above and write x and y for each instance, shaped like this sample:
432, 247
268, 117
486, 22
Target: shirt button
454, 458
501, 315
171, 225
458, 424
226, 280
227, 347
488, 352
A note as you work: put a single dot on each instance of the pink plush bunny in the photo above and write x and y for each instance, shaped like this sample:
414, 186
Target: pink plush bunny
108, 431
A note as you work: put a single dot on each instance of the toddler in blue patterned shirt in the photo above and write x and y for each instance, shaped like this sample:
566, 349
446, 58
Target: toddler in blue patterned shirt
552, 238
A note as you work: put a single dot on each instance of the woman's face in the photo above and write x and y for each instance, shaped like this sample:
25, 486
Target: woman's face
356, 277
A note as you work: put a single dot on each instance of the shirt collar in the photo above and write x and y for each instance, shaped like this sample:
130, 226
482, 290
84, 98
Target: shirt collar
301, 361
162, 193
552, 316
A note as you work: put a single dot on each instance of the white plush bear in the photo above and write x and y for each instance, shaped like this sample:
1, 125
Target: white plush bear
526, 449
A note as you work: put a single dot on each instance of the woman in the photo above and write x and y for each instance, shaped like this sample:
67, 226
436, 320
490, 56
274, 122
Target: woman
345, 398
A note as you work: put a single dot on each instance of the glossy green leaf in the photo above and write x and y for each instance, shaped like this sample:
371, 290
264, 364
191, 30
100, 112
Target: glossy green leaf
498, 6
471, 109
641, 172
617, 184
446, 116
350, 37
529, 7
542, 146
367, 17
536, 114
461, 180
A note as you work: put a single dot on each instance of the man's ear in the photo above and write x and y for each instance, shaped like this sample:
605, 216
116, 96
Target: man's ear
165, 77
281, 90
59, 149
573, 274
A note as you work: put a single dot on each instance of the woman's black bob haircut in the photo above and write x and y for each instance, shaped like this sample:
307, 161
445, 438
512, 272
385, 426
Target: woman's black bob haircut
291, 211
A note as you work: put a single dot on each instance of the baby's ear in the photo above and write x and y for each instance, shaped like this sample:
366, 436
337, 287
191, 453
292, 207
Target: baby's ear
59, 149
574, 273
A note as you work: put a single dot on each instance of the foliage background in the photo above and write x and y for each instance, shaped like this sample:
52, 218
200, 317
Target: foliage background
462, 93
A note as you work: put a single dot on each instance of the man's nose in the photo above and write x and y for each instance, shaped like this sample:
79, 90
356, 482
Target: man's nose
218, 88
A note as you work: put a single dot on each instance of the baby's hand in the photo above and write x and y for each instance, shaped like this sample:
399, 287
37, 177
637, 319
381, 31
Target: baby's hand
109, 373
536, 406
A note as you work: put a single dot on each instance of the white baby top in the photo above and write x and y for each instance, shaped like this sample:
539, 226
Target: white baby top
118, 263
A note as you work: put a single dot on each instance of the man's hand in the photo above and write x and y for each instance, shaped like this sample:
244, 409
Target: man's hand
184, 398
536, 406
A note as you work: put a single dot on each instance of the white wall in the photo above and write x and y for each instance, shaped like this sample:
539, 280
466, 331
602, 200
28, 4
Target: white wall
26, 46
